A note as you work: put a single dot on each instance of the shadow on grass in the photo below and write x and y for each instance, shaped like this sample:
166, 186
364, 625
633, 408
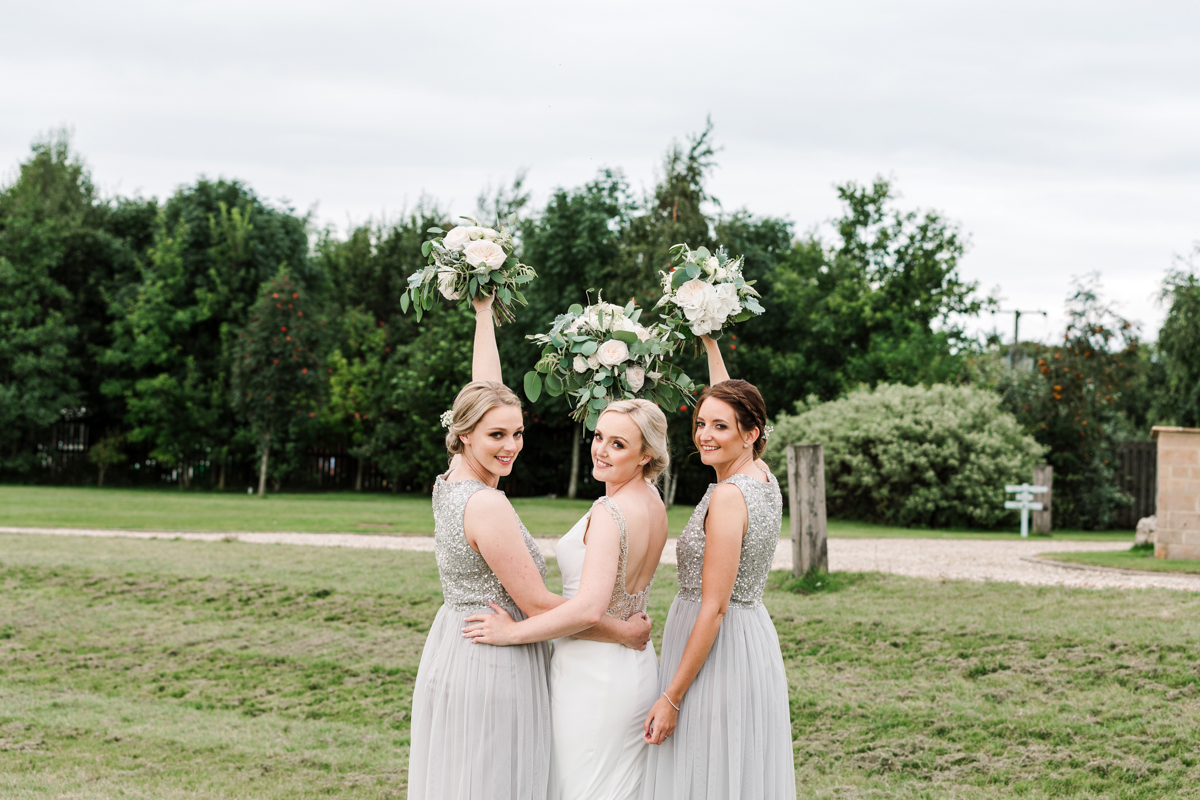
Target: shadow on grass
817, 582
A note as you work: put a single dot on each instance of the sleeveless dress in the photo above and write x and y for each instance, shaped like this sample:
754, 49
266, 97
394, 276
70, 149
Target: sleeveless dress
733, 740
480, 715
600, 692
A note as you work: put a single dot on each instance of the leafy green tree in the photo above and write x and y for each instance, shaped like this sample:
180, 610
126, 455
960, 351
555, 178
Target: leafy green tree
1073, 404
877, 305
277, 372
215, 244
107, 452
1179, 344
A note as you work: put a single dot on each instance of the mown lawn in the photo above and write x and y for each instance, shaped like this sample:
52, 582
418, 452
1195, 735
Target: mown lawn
1141, 558
174, 669
340, 512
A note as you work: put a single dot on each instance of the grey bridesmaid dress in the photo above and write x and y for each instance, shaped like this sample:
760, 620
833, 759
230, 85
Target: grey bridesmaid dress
733, 740
480, 714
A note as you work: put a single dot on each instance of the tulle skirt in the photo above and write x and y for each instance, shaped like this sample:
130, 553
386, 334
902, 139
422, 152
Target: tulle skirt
734, 736
480, 718
600, 694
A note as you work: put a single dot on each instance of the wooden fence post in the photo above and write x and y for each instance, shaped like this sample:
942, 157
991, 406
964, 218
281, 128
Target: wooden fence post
806, 502
1043, 475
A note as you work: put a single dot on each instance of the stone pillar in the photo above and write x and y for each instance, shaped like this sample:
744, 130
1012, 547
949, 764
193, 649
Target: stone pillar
1178, 493
806, 502
1043, 475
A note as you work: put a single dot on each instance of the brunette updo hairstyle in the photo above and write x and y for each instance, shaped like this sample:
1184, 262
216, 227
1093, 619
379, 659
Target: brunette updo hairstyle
748, 407
476, 399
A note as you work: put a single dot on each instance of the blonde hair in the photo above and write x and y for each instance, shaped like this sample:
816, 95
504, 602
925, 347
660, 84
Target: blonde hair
476, 399
652, 422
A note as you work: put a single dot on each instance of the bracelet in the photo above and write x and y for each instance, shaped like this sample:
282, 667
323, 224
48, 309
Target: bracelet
672, 702
480, 311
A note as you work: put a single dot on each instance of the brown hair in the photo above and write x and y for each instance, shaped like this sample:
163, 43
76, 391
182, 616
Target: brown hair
476, 399
747, 404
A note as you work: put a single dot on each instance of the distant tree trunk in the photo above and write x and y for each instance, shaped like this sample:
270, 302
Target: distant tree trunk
670, 483
221, 478
358, 475
573, 485
100, 483
262, 470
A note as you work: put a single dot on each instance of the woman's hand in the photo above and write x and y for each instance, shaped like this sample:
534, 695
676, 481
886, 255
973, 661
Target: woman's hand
660, 722
496, 629
480, 303
637, 630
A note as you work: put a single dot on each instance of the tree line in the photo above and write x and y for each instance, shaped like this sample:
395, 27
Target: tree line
217, 327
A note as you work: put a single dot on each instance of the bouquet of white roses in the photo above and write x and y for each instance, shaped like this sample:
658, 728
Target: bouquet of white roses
706, 292
467, 262
602, 353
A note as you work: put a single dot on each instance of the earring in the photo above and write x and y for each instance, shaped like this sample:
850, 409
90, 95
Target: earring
745, 445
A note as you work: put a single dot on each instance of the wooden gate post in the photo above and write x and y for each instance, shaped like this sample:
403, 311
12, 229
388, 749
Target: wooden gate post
806, 502
1043, 475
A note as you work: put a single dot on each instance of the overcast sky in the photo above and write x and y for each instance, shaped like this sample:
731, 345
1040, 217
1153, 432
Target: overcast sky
1063, 136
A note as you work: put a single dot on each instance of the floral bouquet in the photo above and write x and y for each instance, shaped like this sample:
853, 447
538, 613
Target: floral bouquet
602, 353
706, 292
467, 262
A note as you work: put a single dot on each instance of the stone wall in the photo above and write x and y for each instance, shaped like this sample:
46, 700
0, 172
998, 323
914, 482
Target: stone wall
1178, 493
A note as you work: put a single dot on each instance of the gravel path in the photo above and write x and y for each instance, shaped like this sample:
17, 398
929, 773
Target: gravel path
946, 559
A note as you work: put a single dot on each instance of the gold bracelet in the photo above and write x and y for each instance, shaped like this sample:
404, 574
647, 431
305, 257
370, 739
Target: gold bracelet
669, 700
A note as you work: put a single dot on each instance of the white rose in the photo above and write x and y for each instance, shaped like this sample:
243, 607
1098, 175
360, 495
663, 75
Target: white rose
489, 233
485, 253
642, 333
446, 280
456, 239
475, 232
720, 273
704, 324
580, 364
694, 297
726, 304
613, 352
654, 376
635, 376
593, 362
712, 265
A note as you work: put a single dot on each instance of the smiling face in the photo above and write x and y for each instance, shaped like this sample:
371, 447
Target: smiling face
617, 454
496, 440
717, 436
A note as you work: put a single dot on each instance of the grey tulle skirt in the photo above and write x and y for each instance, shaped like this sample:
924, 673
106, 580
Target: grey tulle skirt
480, 718
734, 737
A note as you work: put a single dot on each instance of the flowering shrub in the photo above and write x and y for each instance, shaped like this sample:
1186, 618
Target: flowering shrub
913, 456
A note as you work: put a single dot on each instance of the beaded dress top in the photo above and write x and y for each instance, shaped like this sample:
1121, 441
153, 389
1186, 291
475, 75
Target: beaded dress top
468, 583
623, 605
764, 504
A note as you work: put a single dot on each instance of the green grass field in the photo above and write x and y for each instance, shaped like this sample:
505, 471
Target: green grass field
340, 512
175, 669
1134, 558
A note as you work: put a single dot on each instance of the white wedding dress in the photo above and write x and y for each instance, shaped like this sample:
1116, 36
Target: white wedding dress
600, 692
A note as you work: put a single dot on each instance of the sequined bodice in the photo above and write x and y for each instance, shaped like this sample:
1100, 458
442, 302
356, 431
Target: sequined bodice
764, 502
468, 583
623, 605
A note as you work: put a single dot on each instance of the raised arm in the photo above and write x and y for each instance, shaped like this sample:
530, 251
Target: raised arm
716, 363
485, 361
723, 531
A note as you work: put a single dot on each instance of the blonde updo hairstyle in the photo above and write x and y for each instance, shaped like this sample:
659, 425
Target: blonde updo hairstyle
476, 399
653, 425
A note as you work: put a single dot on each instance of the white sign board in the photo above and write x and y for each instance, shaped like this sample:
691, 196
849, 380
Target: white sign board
1024, 502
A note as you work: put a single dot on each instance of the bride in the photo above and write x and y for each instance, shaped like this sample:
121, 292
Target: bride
600, 692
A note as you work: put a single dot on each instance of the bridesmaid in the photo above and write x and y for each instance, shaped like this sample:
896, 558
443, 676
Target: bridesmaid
481, 715
722, 723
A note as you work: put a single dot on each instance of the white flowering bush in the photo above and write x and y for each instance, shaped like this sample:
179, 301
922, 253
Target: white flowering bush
468, 262
603, 353
706, 292
913, 456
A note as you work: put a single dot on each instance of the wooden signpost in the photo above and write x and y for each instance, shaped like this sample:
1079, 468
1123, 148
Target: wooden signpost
1025, 502
806, 504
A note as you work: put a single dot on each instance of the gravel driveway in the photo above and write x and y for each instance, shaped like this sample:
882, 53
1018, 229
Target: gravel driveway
948, 559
